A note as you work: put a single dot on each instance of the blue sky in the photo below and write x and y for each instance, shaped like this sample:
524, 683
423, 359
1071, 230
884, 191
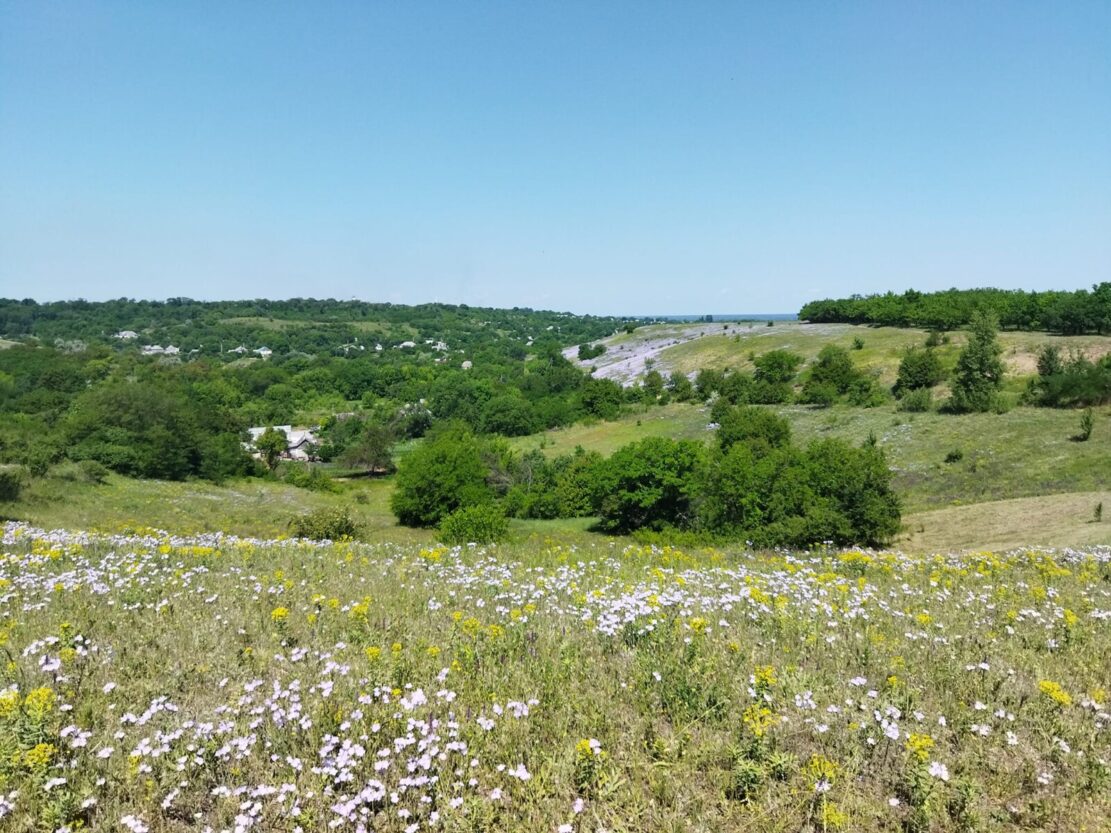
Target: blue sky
593, 156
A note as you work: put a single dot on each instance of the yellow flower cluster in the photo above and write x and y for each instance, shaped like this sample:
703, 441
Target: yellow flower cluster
821, 768
758, 719
919, 746
39, 703
1055, 692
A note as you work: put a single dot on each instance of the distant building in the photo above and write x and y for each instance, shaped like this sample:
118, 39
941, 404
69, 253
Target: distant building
126, 335
263, 352
405, 345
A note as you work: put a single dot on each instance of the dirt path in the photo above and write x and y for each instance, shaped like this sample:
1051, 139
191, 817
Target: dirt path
627, 356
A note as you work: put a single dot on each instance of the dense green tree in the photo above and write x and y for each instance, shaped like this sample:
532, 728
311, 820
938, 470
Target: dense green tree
680, 387
979, 371
444, 473
602, 398
272, 444
510, 415
777, 366
759, 429
372, 450
1070, 313
650, 484
151, 429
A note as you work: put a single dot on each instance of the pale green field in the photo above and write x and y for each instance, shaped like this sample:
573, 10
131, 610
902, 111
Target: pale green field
248, 507
1046, 520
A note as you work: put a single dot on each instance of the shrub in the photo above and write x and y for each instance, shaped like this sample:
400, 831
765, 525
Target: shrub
918, 369
829, 492
919, 400
777, 366
484, 523
308, 477
590, 351
818, 393
833, 367
757, 428
954, 456
10, 485
85, 471
1086, 424
865, 393
332, 524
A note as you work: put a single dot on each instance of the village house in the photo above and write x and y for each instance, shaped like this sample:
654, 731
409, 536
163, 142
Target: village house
301, 443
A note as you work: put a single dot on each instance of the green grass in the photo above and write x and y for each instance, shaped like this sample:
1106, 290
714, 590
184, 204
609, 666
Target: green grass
251, 508
256, 508
677, 421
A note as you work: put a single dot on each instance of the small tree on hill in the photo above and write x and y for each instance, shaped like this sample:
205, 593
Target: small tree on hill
373, 451
979, 371
920, 368
272, 445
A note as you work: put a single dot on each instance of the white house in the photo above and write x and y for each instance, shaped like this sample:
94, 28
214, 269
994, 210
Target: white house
263, 352
126, 335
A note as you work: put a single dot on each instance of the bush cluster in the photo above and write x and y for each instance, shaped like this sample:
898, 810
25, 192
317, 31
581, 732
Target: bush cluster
329, 524
752, 485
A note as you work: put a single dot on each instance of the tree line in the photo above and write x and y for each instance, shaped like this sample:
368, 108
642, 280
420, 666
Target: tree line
1069, 313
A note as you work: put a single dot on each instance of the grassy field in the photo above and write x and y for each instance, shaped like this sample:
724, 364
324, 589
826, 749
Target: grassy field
711, 346
1047, 520
1025, 453
173, 684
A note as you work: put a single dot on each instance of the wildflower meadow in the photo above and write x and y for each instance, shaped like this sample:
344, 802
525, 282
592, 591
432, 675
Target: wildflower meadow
214, 683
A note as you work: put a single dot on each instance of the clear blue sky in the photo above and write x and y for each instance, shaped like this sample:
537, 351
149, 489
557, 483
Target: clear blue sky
594, 156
